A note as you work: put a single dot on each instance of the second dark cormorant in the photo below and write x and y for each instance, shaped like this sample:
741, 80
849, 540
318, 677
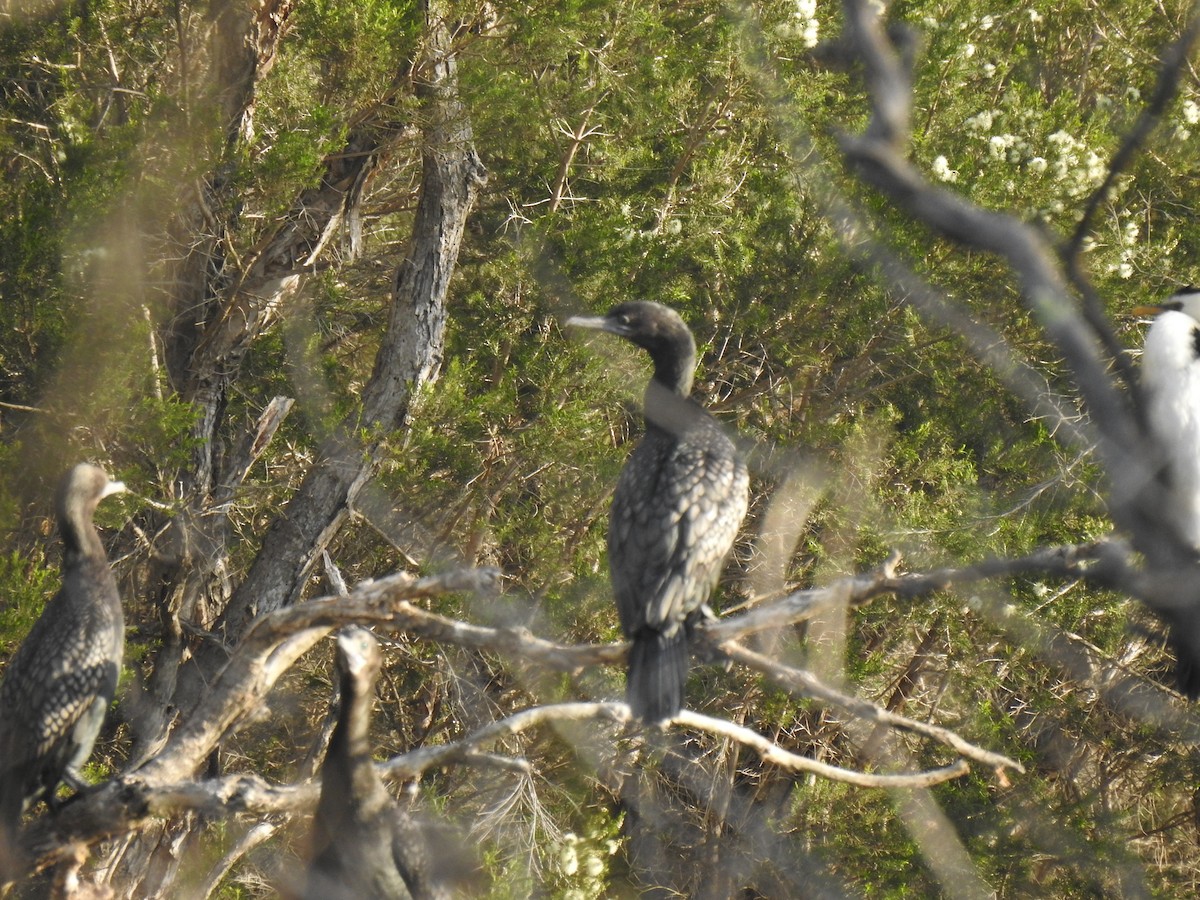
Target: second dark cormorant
363, 844
58, 685
352, 834
679, 501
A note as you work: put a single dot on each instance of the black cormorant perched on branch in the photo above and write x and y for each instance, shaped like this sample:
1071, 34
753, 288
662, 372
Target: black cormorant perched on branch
58, 685
678, 504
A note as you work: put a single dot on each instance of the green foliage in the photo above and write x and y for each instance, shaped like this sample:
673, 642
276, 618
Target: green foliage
631, 154
26, 583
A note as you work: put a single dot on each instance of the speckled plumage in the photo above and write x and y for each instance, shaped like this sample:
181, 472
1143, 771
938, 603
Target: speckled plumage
58, 685
679, 502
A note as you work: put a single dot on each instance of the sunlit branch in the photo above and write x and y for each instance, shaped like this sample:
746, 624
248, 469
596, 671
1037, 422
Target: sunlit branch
803, 683
772, 753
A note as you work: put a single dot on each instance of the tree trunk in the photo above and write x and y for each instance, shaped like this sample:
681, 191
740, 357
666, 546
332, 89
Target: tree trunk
409, 358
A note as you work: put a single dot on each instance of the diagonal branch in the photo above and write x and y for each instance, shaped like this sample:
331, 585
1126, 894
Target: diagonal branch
806, 684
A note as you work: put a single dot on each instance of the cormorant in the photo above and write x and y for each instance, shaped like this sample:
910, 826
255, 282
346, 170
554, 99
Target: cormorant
363, 844
58, 685
1171, 383
679, 501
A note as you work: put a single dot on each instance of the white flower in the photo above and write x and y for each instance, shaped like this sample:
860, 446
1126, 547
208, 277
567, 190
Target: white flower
594, 867
989, 69
1132, 94
998, 145
1062, 139
968, 50
1130, 232
1125, 270
1191, 112
981, 121
1088, 244
942, 170
568, 860
1037, 165
986, 23
807, 25
1035, 16
1181, 133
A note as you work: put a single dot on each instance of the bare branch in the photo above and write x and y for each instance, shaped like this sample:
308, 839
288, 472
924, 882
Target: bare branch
255, 835
277, 639
1067, 561
806, 684
412, 764
776, 755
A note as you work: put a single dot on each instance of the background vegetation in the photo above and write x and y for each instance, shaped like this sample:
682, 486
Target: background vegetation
633, 150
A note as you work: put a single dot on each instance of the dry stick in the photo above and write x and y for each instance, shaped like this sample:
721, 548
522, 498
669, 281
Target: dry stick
776, 755
1063, 561
278, 639
254, 836
804, 682
126, 801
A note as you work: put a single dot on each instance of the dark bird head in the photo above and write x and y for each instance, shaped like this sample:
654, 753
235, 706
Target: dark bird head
358, 658
659, 331
79, 493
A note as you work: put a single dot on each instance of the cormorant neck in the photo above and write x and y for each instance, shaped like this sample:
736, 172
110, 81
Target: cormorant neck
675, 363
354, 719
80, 538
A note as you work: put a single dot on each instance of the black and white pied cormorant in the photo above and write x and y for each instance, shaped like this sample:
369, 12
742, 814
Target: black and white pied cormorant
58, 685
1171, 385
679, 501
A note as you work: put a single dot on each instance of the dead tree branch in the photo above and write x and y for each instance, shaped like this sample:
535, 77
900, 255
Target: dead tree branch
772, 753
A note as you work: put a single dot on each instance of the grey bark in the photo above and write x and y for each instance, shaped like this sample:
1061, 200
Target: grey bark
409, 358
218, 312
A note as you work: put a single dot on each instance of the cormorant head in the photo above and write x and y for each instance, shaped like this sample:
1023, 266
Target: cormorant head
358, 656
658, 330
79, 493
1185, 300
